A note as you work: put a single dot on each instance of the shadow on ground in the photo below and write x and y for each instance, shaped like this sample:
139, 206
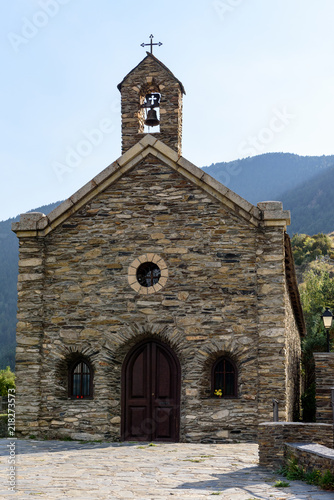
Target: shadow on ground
246, 480
25, 446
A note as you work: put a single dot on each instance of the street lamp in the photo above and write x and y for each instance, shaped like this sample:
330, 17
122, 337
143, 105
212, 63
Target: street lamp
327, 318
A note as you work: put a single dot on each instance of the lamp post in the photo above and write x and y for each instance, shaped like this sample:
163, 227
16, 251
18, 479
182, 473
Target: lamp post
327, 318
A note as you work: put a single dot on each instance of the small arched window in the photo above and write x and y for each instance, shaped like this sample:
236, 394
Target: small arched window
80, 380
224, 378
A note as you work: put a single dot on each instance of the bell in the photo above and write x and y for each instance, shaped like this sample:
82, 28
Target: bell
152, 119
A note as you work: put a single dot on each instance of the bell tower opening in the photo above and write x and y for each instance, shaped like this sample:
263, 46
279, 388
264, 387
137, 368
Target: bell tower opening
149, 113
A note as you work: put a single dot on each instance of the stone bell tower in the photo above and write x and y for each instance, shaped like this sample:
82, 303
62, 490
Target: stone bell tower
151, 77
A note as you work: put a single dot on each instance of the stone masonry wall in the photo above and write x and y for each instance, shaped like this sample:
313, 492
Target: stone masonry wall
224, 295
29, 334
148, 77
273, 436
324, 377
271, 322
311, 457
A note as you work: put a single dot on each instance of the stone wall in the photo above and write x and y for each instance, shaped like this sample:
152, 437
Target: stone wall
311, 457
151, 76
324, 376
272, 437
29, 333
224, 296
207, 308
271, 322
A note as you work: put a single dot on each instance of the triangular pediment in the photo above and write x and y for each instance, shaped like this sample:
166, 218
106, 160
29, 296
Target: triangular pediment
154, 60
41, 224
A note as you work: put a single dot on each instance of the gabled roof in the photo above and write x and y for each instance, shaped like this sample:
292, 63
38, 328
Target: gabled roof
149, 55
37, 224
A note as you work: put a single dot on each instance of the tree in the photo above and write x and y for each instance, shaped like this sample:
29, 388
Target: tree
7, 381
317, 292
307, 248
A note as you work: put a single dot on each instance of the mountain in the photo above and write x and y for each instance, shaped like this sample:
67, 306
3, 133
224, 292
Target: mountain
311, 205
8, 287
266, 177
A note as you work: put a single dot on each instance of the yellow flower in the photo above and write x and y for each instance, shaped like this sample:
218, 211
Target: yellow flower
218, 392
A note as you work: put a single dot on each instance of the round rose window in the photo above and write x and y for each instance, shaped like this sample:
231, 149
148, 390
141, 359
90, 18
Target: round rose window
148, 274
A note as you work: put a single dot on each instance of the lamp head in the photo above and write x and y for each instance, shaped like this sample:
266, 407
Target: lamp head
327, 318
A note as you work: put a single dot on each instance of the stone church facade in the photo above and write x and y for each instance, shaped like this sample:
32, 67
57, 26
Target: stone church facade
155, 303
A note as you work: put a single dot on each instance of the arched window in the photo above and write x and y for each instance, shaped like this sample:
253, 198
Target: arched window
224, 378
80, 380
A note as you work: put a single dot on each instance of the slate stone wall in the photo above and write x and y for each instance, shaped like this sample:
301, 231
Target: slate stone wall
273, 436
225, 295
29, 334
324, 376
311, 457
150, 77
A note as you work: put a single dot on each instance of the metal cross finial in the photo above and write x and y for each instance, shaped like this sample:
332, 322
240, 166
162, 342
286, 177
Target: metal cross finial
151, 44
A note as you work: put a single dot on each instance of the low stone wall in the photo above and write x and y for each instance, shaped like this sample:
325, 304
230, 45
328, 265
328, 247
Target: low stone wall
272, 437
311, 456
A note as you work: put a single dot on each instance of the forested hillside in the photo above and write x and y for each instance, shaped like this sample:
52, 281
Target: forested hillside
312, 204
267, 177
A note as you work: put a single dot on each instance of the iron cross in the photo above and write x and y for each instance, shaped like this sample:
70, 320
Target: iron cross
151, 44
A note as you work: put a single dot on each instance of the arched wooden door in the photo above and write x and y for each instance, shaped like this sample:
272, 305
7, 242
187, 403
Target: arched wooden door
151, 394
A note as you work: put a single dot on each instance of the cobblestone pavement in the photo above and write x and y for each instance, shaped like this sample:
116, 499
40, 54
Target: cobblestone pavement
66, 470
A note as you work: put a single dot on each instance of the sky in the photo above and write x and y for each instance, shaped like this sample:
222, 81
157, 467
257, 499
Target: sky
258, 75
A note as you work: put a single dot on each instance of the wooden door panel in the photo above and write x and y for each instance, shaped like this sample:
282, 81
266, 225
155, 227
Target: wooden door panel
137, 415
163, 420
163, 387
138, 381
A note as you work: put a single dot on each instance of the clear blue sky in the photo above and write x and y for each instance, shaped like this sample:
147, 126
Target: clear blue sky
259, 77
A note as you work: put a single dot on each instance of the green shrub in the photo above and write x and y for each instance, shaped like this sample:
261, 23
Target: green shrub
313, 477
282, 484
291, 470
326, 480
294, 471
7, 381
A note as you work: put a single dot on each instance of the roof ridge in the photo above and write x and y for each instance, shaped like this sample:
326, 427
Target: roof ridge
119, 86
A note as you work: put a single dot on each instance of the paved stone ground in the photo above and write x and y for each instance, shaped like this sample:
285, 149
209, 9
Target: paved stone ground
94, 471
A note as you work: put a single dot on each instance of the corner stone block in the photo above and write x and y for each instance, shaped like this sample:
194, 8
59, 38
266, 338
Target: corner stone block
270, 205
87, 188
28, 222
148, 140
216, 185
130, 154
276, 215
190, 167
60, 210
167, 151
